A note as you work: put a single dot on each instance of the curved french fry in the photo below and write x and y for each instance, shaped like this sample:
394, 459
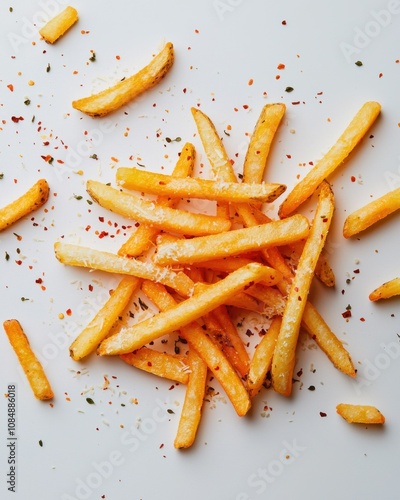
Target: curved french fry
387, 290
124, 91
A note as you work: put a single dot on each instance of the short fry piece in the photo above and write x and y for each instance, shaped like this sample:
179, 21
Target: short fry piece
349, 139
185, 312
387, 290
262, 357
59, 24
285, 352
97, 330
30, 201
124, 91
75, 255
162, 217
360, 414
194, 397
234, 242
162, 364
205, 347
260, 142
28, 360
371, 213
189, 187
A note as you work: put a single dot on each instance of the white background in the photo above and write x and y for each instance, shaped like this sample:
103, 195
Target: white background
98, 451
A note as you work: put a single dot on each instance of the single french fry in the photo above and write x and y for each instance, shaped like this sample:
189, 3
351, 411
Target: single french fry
317, 328
99, 327
185, 312
285, 352
30, 364
260, 142
360, 414
31, 200
162, 364
199, 340
144, 236
121, 93
227, 337
189, 187
233, 242
191, 411
262, 358
76, 255
371, 213
59, 24
386, 291
166, 218
349, 139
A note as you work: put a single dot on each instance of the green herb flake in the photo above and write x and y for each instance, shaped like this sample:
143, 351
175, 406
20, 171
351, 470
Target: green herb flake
6, 256
23, 299
1, 175
143, 305
27, 102
11, 9
89, 202
48, 68
77, 196
289, 89
92, 58
358, 63
90, 401
141, 165
94, 156
177, 139
40, 443
171, 412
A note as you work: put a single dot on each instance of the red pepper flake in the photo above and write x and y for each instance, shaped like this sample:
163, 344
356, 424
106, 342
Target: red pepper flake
161, 445
103, 234
101, 219
380, 75
10, 86
322, 414
250, 82
284, 22
68, 312
16, 119
117, 57
281, 66
39, 281
19, 262
245, 106
362, 319
295, 103
352, 178
347, 314
356, 271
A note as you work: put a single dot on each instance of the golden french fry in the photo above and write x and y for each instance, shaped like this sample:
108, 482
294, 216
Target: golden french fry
126, 90
169, 219
387, 290
360, 414
317, 328
75, 255
185, 312
31, 200
234, 242
59, 24
285, 352
30, 364
260, 142
349, 139
191, 411
371, 213
262, 357
199, 340
99, 327
189, 187
142, 239
162, 364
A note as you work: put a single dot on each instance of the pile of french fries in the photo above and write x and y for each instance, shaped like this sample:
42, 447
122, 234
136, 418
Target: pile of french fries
195, 267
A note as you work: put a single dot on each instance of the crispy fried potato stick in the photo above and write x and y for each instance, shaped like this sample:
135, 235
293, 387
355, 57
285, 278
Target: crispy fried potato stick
233, 242
76, 255
149, 212
260, 142
262, 357
124, 91
189, 187
285, 351
99, 327
191, 411
30, 364
59, 24
145, 235
162, 364
349, 139
360, 414
371, 213
199, 340
185, 312
386, 291
30, 201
